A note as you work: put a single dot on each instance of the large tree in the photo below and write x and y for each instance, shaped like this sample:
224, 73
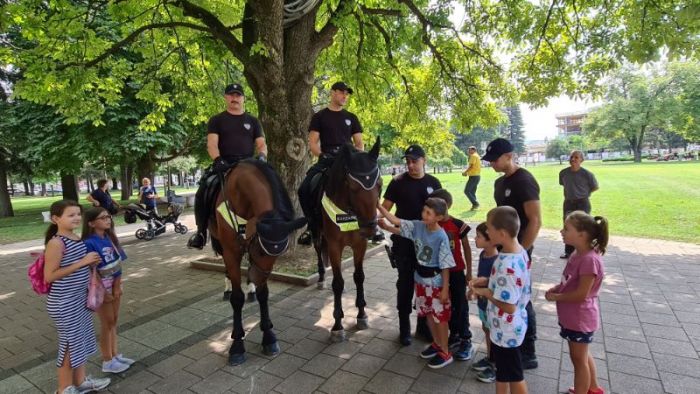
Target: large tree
404, 55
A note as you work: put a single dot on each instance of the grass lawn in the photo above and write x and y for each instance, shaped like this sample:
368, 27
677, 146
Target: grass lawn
652, 200
28, 223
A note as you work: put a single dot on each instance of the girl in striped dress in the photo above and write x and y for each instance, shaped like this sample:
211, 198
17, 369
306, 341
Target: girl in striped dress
66, 268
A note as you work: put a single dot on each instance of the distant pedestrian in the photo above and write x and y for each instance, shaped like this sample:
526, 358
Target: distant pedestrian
148, 195
577, 294
98, 234
100, 197
67, 271
473, 171
578, 184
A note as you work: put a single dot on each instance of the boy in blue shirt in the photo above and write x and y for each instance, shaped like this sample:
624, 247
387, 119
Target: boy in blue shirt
508, 292
432, 275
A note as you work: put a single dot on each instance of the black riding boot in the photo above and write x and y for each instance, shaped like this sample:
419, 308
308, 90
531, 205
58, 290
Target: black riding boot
199, 239
405, 329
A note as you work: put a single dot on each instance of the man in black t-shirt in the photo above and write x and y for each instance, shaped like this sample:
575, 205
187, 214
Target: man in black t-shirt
330, 128
100, 197
517, 188
408, 191
232, 135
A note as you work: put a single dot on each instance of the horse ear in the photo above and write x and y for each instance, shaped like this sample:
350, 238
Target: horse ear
295, 224
374, 152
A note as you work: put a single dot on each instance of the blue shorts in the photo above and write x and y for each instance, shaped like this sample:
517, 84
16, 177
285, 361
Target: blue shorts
576, 336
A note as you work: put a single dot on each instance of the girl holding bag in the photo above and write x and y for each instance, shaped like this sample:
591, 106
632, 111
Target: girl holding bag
66, 269
99, 236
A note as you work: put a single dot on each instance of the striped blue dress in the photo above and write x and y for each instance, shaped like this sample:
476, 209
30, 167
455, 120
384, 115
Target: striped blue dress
67, 306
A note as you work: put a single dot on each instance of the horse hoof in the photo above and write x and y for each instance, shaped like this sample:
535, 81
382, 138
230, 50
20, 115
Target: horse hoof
321, 285
227, 295
362, 323
337, 336
251, 297
271, 349
236, 359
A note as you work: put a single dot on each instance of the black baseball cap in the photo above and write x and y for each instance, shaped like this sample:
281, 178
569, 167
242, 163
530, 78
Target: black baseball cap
496, 148
234, 88
341, 86
414, 152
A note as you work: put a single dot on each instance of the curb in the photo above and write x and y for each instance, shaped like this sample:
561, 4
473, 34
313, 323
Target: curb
293, 279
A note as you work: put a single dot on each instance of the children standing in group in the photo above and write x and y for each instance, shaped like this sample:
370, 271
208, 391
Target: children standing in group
432, 274
576, 295
99, 236
66, 269
457, 231
484, 367
508, 293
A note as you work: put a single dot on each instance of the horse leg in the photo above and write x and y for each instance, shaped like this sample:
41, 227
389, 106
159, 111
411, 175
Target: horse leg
358, 254
251, 292
321, 267
236, 354
269, 341
227, 290
337, 332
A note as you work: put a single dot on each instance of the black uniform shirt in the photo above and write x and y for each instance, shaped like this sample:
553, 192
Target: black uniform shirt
335, 128
237, 134
409, 194
514, 191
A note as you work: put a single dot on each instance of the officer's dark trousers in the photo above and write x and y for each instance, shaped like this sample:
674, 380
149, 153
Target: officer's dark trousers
527, 349
405, 256
580, 204
305, 192
459, 321
201, 209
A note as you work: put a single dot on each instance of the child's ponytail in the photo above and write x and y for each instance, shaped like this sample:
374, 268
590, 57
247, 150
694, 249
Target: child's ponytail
50, 232
596, 228
600, 240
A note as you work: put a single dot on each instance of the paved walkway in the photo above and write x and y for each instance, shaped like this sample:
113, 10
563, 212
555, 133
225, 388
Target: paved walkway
174, 322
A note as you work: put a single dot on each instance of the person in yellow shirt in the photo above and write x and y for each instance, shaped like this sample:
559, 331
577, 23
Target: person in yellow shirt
473, 171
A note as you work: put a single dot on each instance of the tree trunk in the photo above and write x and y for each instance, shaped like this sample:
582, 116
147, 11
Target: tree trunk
69, 183
25, 183
146, 168
88, 182
114, 183
126, 175
43, 189
5, 201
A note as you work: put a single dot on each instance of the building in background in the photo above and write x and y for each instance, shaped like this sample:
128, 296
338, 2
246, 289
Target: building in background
570, 123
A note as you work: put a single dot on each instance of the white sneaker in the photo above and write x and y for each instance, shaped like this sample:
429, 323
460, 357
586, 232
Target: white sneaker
113, 366
124, 360
70, 390
91, 384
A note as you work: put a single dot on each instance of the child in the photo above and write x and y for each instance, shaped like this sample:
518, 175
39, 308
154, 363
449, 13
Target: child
460, 337
66, 268
432, 273
484, 367
508, 293
148, 195
99, 236
576, 295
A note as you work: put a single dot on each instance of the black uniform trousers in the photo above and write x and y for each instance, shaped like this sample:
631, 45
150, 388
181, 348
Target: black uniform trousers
405, 257
306, 198
579, 204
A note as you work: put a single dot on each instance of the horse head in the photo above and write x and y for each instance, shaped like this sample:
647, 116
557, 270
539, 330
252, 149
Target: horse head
362, 184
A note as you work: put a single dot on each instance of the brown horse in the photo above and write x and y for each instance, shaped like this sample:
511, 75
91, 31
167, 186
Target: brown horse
255, 193
353, 186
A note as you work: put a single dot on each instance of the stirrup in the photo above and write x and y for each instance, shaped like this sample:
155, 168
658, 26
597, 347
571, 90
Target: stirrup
304, 238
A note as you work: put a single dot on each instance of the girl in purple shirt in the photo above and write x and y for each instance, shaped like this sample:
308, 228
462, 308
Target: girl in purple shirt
576, 295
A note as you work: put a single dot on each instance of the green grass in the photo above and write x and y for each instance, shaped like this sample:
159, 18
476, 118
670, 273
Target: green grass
28, 223
652, 200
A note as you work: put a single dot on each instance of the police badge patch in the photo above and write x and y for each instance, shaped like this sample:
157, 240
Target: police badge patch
347, 122
247, 126
429, 189
507, 192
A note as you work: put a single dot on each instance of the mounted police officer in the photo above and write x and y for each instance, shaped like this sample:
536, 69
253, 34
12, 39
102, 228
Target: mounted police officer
232, 135
330, 128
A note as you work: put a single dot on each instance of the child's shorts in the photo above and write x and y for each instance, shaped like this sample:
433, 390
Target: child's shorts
509, 365
576, 336
428, 304
484, 319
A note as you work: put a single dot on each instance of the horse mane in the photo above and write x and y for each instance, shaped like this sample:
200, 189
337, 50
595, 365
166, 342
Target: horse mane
336, 174
281, 201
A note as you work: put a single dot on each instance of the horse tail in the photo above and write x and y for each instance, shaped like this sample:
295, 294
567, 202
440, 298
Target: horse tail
216, 245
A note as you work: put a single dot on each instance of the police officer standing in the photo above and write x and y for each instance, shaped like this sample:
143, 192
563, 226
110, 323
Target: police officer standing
517, 188
232, 135
330, 128
408, 191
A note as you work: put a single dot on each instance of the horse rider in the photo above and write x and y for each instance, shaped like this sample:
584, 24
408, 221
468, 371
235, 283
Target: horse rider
330, 128
232, 135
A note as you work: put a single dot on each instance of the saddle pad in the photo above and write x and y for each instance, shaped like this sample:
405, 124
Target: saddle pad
342, 219
241, 222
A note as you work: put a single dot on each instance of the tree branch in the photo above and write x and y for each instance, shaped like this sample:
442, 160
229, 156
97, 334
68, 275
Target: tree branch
543, 33
130, 38
324, 37
380, 11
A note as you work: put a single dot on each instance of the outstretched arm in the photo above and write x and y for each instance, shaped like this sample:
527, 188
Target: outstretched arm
388, 215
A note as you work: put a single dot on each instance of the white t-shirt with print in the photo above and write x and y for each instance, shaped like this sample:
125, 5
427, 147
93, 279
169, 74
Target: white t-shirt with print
510, 283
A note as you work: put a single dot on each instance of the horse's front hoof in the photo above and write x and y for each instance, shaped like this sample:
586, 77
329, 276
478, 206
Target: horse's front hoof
337, 336
362, 323
321, 285
251, 297
271, 349
236, 359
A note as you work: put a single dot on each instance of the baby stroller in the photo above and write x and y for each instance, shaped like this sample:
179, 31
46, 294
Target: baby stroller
155, 224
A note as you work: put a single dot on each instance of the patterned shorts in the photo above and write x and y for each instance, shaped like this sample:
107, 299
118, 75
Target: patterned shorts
428, 304
576, 336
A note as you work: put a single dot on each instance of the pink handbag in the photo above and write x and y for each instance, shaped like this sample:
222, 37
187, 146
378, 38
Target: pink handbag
96, 290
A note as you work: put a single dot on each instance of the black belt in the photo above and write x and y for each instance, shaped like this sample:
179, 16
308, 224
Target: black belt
576, 199
427, 272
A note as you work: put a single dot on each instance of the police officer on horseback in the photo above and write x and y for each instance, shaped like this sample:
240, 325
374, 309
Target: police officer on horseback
232, 135
330, 129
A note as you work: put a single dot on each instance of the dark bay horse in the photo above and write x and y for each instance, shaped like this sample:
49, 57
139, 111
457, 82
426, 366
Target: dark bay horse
256, 194
351, 189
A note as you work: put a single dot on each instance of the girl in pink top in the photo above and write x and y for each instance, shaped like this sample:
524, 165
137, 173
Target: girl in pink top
576, 295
